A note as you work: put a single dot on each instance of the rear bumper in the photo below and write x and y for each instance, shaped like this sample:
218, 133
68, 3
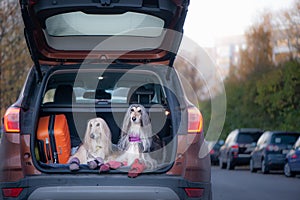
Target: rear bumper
276, 161
89, 187
241, 159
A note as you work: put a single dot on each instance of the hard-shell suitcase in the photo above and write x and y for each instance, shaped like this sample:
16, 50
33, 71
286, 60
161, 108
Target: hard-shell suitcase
54, 139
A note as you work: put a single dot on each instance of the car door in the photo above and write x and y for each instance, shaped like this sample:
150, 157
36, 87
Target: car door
257, 153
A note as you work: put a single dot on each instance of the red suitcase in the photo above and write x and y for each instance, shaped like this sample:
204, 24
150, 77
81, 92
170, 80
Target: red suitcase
54, 139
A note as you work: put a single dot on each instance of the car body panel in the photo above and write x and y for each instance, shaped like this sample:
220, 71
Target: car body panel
48, 45
293, 158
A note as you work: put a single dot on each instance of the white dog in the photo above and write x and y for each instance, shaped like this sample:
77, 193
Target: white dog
97, 145
136, 137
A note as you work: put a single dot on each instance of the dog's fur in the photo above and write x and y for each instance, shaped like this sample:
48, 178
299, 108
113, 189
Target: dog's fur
97, 142
136, 124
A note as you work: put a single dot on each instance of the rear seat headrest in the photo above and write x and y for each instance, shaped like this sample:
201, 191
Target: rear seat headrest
64, 94
141, 95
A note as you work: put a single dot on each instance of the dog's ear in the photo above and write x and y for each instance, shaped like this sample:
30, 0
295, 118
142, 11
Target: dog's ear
126, 121
145, 117
107, 136
87, 132
106, 130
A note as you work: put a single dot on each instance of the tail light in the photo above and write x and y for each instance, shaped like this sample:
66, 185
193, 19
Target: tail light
235, 146
32, 2
294, 156
194, 192
272, 148
195, 120
12, 120
11, 192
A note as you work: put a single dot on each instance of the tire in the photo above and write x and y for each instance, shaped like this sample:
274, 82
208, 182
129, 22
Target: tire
252, 168
264, 167
287, 171
229, 164
221, 164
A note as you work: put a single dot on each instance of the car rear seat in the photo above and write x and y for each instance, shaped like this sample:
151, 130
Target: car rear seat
64, 94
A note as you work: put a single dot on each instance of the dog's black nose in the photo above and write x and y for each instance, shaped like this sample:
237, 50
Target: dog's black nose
133, 119
92, 136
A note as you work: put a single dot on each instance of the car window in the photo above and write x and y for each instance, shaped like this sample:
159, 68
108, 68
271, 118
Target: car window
297, 144
284, 139
262, 139
79, 23
248, 138
109, 88
231, 136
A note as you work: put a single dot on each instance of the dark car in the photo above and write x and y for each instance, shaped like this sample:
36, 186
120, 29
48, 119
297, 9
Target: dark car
237, 147
271, 150
215, 151
93, 59
292, 164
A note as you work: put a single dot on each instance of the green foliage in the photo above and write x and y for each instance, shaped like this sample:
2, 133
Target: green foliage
270, 101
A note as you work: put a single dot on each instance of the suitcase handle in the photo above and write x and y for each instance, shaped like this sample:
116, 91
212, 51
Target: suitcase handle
52, 139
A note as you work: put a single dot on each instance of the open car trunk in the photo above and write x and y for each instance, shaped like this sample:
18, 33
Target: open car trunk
79, 95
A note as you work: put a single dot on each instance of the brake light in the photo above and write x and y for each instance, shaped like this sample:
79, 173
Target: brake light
32, 2
195, 120
235, 146
12, 120
11, 192
272, 148
294, 156
194, 192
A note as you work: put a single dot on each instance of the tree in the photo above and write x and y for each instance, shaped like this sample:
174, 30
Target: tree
257, 57
288, 26
14, 57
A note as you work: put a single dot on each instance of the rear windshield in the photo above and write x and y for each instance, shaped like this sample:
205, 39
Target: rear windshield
288, 139
129, 24
103, 88
247, 138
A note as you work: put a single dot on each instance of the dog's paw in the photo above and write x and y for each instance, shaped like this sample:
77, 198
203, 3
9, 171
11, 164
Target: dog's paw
74, 164
93, 164
104, 168
136, 168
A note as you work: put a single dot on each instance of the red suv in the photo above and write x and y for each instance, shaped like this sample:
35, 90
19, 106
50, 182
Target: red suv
95, 59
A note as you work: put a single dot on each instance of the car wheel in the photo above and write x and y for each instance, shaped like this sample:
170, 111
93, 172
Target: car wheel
252, 168
264, 167
287, 171
221, 164
229, 166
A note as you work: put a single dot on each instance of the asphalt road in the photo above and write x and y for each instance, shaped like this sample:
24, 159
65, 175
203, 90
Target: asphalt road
241, 184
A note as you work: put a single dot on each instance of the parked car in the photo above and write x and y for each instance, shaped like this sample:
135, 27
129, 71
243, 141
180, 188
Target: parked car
214, 147
74, 78
237, 147
271, 150
292, 163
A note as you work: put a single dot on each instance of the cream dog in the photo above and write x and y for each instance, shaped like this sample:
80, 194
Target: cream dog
97, 145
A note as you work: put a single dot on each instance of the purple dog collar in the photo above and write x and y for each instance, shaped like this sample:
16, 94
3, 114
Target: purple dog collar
134, 139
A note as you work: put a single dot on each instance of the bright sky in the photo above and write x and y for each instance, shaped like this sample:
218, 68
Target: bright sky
210, 19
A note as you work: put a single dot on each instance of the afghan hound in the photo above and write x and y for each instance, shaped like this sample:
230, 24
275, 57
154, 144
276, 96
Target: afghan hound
136, 137
96, 147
